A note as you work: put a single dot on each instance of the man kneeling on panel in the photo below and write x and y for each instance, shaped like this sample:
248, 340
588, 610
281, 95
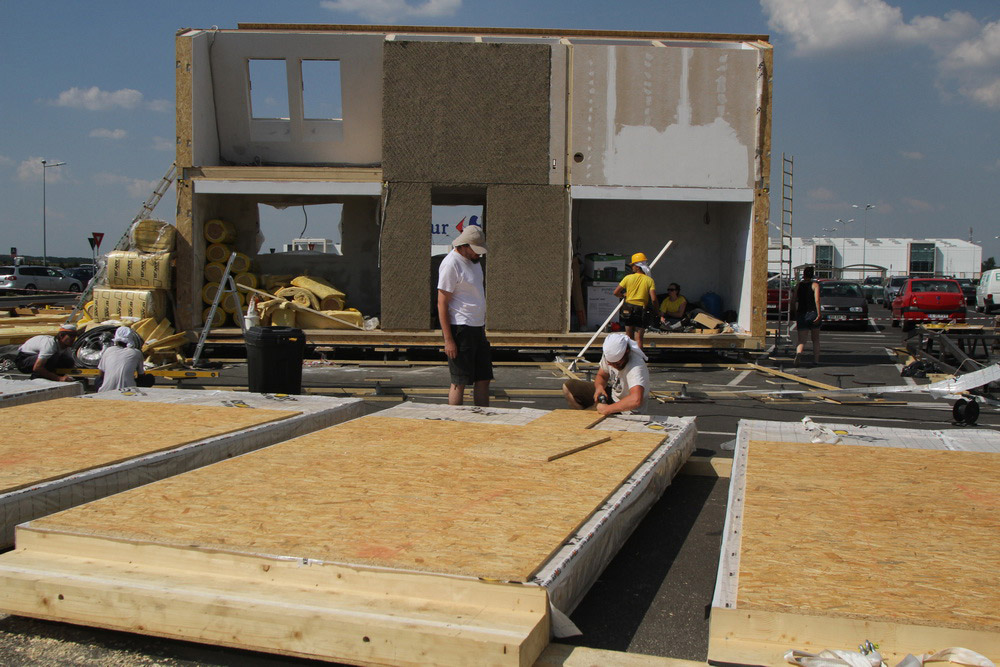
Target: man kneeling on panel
621, 384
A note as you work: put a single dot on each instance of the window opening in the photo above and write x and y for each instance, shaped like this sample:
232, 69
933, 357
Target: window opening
321, 92
268, 89
922, 259
295, 227
447, 222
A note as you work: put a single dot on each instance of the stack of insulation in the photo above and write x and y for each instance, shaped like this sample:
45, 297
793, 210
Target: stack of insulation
220, 236
309, 302
137, 279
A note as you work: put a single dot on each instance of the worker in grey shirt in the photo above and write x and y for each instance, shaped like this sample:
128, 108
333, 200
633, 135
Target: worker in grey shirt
42, 355
121, 364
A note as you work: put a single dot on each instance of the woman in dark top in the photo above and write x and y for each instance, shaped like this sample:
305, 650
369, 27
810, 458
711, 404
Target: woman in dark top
807, 313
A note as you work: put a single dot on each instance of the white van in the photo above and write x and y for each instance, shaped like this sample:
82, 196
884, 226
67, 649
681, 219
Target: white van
988, 292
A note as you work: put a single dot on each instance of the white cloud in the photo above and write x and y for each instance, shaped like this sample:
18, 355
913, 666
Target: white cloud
102, 133
821, 194
912, 155
392, 10
136, 187
164, 144
917, 205
95, 99
967, 52
31, 170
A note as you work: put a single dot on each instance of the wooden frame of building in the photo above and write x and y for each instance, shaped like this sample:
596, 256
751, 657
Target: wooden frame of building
573, 142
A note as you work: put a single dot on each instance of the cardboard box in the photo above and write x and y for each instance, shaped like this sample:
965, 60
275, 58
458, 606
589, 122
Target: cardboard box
139, 269
600, 302
114, 304
596, 265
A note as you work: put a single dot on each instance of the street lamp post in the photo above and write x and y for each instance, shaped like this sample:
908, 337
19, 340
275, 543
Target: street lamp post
45, 251
864, 242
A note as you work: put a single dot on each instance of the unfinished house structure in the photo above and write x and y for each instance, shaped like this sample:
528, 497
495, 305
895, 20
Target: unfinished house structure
572, 142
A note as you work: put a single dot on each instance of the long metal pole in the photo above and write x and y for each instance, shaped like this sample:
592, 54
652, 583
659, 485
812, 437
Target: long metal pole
45, 253
613, 313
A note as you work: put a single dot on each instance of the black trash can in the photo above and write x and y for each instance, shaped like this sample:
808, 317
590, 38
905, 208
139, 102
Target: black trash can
274, 359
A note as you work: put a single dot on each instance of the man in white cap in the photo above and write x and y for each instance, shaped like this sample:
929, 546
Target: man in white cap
462, 311
621, 384
121, 364
41, 356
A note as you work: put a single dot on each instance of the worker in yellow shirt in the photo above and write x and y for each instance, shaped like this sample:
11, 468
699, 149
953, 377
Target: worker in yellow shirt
639, 291
673, 308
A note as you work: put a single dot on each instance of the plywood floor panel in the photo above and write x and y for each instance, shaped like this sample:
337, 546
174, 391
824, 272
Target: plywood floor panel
886, 534
53, 439
448, 497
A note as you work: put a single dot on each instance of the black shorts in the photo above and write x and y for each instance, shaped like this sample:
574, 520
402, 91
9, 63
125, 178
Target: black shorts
807, 320
632, 315
474, 362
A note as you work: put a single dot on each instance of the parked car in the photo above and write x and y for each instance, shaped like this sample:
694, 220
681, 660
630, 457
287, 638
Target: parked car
968, 289
891, 289
81, 273
25, 278
842, 302
988, 291
872, 288
779, 294
928, 300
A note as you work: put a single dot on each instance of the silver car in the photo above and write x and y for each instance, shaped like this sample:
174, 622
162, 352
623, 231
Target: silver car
892, 287
27, 279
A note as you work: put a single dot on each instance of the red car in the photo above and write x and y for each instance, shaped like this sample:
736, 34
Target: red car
778, 296
928, 300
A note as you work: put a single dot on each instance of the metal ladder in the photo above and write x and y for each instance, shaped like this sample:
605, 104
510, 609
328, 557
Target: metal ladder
785, 238
122, 244
227, 279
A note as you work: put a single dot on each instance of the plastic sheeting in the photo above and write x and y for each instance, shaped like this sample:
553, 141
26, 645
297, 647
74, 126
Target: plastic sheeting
22, 392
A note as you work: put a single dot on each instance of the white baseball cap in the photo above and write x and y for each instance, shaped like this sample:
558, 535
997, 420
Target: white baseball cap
473, 237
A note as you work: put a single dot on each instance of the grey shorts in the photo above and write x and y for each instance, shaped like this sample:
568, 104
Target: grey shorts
474, 362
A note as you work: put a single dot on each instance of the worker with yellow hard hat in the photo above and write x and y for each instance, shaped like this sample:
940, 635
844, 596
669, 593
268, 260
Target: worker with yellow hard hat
639, 292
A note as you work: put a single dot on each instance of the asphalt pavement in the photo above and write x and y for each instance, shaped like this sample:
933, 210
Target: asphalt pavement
655, 596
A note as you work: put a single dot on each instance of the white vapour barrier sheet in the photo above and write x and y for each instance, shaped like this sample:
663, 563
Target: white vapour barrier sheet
22, 392
577, 564
316, 412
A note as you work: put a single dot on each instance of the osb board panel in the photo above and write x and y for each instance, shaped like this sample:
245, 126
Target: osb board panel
406, 252
447, 497
559, 419
527, 283
46, 441
872, 533
465, 113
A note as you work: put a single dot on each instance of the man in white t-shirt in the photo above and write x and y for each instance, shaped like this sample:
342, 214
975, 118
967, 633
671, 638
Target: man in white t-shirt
42, 355
462, 311
621, 384
120, 364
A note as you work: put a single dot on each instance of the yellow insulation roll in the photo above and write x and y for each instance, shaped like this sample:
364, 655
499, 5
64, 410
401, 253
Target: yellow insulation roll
248, 279
241, 264
344, 319
231, 302
218, 320
220, 231
299, 295
217, 252
208, 292
153, 236
214, 271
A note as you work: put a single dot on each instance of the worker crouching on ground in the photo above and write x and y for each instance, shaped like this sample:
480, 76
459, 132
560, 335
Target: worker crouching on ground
621, 384
462, 312
639, 291
121, 365
42, 355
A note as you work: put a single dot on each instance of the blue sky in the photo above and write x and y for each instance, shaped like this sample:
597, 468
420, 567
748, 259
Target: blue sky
879, 101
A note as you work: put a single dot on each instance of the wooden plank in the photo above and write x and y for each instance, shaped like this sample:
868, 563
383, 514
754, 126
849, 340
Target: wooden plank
564, 655
795, 378
587, 445
575, 419
456, 498
285, 606
825, 561
708, 466
49, 440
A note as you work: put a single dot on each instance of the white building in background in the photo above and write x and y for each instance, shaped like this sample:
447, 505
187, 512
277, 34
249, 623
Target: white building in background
854, 258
